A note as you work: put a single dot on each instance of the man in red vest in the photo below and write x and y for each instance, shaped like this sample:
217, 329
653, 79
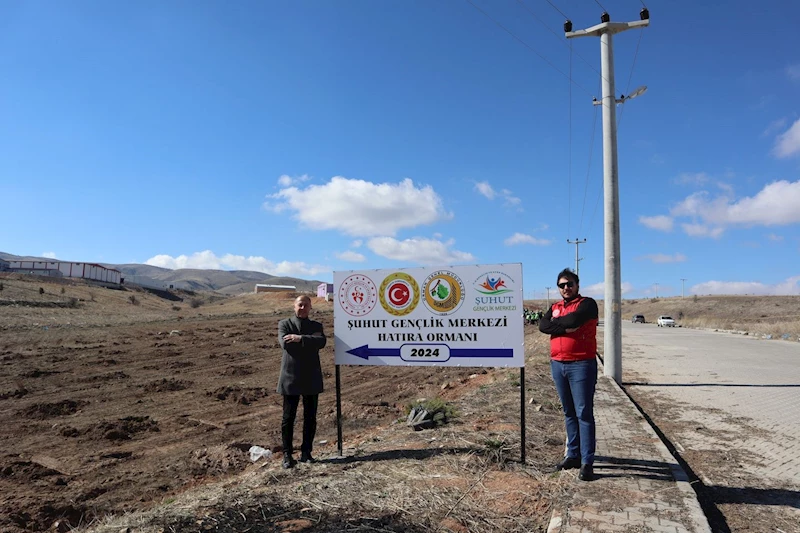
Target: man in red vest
572, 326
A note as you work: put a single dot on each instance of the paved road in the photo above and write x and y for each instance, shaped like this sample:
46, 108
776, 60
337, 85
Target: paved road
739, 393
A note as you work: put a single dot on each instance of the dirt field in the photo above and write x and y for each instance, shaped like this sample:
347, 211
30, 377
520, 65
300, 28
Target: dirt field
123, 411
113, 402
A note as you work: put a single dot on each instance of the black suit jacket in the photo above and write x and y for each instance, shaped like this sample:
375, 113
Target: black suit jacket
301, 371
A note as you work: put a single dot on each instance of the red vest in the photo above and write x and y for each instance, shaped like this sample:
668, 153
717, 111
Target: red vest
578, 345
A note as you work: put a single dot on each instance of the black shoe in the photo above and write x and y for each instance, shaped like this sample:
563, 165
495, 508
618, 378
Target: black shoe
586, 473
306, 458
569, 463
289, 462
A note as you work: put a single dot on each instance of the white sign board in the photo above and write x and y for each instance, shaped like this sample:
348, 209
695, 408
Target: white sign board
451, 316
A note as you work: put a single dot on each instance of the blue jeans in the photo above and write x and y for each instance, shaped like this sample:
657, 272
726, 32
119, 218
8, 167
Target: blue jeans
575, 383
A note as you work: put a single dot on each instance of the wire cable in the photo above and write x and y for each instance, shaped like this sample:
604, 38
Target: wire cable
562, 41
569, 156
529, 47
630, 77
556, 8
588, 170
601, 6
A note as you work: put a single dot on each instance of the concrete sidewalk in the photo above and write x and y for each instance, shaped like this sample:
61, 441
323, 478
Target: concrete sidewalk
639, 486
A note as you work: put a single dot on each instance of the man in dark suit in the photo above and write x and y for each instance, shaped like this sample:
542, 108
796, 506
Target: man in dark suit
301, 374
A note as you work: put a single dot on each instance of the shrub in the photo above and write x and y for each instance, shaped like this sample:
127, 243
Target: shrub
1, 287
72, 302
41, 290
694, 298
176, 308
194, 303
439, 411
132, 299
63, 290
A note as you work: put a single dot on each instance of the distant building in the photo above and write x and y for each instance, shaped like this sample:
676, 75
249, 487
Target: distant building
260, 287
324, 289
90, 271
4, 265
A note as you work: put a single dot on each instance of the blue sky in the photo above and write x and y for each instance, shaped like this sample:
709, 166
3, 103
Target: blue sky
302, 137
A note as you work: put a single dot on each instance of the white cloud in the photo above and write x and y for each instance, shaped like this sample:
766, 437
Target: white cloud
598, 290
351, 256
793, 72
701, 230
521, 238
419, 250
790, 286
775, 238
774, 205
510, 199
49, 255
787, 144
208, 260
485, 189
356, 243
361, 208
288, 181
775, 125
659, 222
664, 258
692, 178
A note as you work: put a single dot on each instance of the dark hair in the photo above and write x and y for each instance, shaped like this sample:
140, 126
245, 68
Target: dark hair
569, 274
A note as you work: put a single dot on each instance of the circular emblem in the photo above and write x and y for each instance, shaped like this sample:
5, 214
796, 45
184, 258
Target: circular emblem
444, 292
556, 313
399, 294
357, 295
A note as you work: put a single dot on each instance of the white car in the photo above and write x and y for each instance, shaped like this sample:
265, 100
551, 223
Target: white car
665, 321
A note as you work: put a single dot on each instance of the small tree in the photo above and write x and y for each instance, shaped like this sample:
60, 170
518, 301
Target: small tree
63, 290
132, 299
41, 290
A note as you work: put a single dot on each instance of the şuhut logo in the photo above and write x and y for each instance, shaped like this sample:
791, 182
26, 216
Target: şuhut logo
493, 283
444, 292
399, 294
357, 295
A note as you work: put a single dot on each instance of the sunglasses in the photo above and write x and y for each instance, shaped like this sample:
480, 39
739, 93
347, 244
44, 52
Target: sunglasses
566, 284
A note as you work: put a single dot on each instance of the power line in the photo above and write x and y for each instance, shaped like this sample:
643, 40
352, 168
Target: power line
630, 76
588, 169
529, 47
601, 6
569, 153
556, 8
562, 41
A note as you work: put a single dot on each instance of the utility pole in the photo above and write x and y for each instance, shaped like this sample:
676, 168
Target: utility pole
613, 279
656, 290
577, 243
548, 297
682, 292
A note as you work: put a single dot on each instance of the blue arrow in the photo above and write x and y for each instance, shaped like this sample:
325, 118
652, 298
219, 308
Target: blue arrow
481, 352
365, 352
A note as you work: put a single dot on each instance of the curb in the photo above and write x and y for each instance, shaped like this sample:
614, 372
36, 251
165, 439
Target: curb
698, 519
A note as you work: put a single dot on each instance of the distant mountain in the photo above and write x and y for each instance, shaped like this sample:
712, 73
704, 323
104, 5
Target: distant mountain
222, 281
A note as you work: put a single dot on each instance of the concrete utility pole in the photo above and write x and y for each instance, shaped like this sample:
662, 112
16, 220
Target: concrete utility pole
656, 284
613, 279
682, 292
548, 297
577, 243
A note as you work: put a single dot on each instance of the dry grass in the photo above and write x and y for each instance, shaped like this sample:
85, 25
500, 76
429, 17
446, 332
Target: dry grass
464, 476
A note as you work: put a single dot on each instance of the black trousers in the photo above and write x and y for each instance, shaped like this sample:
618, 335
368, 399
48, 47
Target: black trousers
290, 403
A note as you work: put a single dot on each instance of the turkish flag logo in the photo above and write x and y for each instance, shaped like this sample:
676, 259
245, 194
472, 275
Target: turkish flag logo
399, 294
